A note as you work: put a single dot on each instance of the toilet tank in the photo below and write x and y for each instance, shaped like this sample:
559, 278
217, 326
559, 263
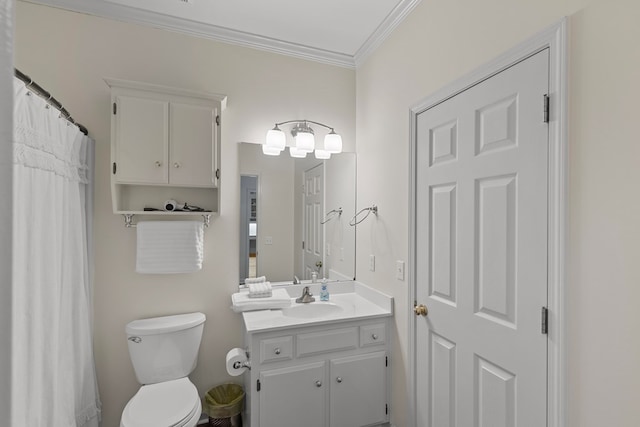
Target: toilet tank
165, 348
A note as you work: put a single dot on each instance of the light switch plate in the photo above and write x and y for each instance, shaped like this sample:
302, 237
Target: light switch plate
400, 270
372, 262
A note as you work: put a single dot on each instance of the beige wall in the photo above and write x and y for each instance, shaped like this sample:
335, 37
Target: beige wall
442, 40
69, 54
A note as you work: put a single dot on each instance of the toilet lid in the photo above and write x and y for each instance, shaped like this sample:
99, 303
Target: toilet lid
171, 403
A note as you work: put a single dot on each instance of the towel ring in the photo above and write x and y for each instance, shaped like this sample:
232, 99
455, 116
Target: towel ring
331, 214
354, 221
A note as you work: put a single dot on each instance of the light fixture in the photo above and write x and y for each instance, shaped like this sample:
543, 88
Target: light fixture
304, 138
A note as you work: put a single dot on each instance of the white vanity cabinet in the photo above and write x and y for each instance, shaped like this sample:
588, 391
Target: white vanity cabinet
331, 375
165, 144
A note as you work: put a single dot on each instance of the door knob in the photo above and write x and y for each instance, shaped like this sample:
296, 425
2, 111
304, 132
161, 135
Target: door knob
420, 310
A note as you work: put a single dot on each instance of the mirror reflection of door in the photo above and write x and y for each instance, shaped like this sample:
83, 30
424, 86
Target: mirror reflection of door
313, 232
248, 227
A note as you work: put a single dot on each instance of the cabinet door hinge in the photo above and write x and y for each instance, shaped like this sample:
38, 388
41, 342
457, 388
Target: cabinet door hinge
545, 107
115, 108
545, 320
218, 120
114, 168
259, 386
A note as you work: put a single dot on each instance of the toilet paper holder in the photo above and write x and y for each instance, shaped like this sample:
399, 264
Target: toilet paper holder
240, 365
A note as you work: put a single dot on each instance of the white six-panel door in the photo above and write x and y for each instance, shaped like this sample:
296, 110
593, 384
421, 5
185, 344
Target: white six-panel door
481, 253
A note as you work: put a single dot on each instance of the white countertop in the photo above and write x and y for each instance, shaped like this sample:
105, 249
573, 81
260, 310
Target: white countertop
354, 301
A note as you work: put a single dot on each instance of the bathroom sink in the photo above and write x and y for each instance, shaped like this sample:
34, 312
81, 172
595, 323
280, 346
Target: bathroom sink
312, 310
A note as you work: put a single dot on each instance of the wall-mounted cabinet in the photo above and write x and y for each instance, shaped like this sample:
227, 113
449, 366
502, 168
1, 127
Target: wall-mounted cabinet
165, 145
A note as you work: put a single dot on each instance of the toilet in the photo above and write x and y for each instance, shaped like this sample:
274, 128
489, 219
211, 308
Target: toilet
164, 351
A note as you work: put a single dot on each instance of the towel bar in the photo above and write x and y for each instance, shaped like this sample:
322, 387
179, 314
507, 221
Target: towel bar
128, 220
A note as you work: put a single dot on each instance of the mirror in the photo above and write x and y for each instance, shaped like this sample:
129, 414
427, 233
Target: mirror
294, 215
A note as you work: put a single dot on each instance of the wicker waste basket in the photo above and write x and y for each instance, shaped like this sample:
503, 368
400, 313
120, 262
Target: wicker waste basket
224, 404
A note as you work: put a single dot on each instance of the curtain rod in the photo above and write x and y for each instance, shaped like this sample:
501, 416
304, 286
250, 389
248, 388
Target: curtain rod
35, 87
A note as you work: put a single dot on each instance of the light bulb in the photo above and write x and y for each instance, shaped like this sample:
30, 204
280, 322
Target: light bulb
305, 141
276, 138
322, 154
333, 142
297, 153
270, 151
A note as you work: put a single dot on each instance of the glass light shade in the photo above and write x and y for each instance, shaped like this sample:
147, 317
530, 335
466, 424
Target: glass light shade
305, 141
270, 151
322, 154
276, 139
333, 143
297, 153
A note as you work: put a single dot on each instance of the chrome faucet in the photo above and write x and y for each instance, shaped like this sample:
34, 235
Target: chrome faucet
296, 281
306, 296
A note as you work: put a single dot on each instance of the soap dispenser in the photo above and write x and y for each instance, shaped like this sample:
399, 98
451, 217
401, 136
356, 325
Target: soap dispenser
324, 293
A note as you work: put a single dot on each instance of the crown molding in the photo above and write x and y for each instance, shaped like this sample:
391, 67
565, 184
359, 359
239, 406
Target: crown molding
133, 15
384, 30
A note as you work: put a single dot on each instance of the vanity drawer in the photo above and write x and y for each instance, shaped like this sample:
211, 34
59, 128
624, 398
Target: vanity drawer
372, 334
326, 341
280, 348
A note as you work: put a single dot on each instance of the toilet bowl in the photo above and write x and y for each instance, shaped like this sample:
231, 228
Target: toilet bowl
164, 352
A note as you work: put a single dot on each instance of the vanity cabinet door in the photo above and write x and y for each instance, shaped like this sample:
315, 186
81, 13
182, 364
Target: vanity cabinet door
293, 396
358, 390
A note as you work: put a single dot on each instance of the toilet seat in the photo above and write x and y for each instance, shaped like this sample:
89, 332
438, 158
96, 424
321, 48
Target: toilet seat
168, 404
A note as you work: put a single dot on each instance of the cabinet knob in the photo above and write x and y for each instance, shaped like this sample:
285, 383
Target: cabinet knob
318, 383
277, 350
374, 336
176, 165
339, 379
158, 163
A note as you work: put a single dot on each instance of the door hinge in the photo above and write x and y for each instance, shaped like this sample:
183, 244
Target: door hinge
114, 168
545, 107
545, 320
115, 108
218, 120
259, 386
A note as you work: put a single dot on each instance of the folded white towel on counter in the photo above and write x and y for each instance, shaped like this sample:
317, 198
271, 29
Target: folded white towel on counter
260, 279
242, 302
260, 290
166, 247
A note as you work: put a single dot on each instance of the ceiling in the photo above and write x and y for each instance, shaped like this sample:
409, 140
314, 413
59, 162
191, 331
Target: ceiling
338, 32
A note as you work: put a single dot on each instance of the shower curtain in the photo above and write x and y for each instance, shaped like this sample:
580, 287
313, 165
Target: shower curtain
53, 375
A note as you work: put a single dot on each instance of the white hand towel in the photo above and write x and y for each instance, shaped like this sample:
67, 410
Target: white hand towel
260, 279
167, 247
260, 290
242, 302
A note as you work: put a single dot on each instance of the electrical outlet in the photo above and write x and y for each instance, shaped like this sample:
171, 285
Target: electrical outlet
268, 240
372, 262
400, 270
